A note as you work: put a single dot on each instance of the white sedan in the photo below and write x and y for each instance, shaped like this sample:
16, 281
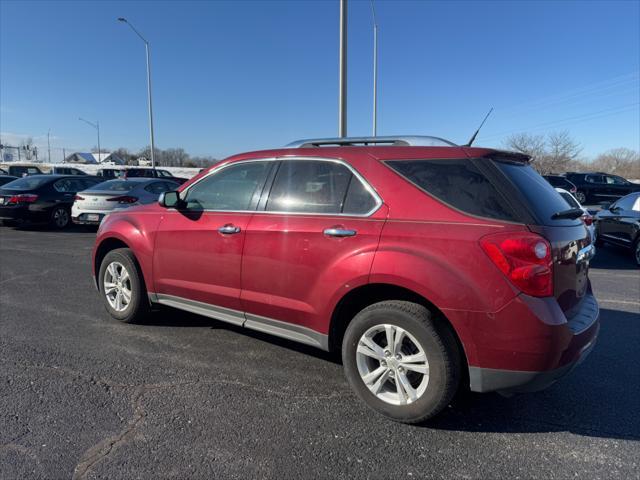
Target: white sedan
587, 218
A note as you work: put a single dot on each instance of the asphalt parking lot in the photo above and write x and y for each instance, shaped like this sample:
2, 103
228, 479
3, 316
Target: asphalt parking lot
83, 396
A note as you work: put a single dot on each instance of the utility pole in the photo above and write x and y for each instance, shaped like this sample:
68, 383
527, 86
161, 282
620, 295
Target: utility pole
64, 155
375, 71
342, 84
147, 48
49, 145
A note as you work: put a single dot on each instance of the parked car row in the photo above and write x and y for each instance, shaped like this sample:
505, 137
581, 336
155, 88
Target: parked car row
593, 187
85, 199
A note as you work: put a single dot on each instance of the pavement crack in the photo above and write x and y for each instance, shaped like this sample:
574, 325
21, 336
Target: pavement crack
106, 447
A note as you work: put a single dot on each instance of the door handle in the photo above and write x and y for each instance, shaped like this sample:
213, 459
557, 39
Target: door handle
229, 229
339, 232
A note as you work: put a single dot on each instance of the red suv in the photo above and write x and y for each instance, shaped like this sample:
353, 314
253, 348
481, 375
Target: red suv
430, 266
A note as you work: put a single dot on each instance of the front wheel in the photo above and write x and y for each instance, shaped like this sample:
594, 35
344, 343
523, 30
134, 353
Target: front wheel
636, 251
122, 286
400, 361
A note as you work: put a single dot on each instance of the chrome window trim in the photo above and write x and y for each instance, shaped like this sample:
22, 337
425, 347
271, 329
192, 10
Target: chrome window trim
354, 172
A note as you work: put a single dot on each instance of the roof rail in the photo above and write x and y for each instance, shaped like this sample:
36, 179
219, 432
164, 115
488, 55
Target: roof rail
404, 141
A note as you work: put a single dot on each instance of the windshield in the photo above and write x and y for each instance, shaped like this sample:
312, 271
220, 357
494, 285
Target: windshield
114, 186
541, 198
27, 183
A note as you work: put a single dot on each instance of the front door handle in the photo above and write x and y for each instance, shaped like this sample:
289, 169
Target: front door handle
339, 232
229, 229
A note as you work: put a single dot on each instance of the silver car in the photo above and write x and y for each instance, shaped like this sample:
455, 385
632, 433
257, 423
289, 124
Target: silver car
90, 206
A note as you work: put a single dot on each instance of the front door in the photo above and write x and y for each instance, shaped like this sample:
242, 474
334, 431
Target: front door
313, 239
198, 247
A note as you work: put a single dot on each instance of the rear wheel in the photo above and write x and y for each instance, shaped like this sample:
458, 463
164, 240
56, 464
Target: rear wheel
122, 286
401, 362
60, 218
581, 197
636, 251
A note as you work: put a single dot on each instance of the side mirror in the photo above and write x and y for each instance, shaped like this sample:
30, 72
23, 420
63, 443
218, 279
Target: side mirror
170, 199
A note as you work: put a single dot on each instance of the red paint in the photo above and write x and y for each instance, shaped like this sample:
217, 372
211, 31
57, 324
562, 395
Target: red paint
283, 266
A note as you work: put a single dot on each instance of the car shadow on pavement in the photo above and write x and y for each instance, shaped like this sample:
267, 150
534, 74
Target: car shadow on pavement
598, 399
165, 316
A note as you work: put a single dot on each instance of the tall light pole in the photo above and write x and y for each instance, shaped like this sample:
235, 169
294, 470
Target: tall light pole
146, 46
375, 71
97, 127
49, 145
342, 84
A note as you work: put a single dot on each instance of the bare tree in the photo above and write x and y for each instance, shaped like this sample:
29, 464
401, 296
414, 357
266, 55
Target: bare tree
557, 152
620, 161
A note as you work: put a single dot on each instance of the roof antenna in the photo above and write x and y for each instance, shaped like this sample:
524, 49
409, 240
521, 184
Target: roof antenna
478, 130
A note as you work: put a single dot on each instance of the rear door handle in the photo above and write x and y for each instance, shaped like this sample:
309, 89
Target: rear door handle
339, 232
229, 229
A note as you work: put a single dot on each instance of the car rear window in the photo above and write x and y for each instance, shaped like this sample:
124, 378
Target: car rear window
541, 198
27, 183
458, 183
115, 186
572, 202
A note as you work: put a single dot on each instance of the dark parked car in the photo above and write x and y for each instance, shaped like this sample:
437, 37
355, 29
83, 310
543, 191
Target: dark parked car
6, 179
598, 186
619, 224
42, 198
67, 171
430, 267
560, 181
23, 170
111, 173
152, 173
3, 172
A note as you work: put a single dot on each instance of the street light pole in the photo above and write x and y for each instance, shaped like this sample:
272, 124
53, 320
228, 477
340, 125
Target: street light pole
375, 71
147, 48
342, 83
97, 127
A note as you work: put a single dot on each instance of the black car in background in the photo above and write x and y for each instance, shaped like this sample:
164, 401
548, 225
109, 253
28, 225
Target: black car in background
23, 170
597, 186
67, 171
152, 173
42, 198
560, 181
6, 179
619, 224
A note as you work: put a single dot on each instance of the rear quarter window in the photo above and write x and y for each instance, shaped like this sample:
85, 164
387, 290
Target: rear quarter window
538, 195
458, 183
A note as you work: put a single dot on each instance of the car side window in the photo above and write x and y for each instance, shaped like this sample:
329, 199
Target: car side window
236, 187
309, 186
66, 185
615, 180
163, 173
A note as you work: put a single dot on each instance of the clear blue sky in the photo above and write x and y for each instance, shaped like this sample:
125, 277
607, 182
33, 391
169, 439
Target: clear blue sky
240, 75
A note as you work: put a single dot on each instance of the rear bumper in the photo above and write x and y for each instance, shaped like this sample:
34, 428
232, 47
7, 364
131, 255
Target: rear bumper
567, 342
83, 219
22, 213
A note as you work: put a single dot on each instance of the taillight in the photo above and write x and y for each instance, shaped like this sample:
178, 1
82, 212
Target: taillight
524, 258
587, 219
78, 197
23, 198
123, 199
573, 190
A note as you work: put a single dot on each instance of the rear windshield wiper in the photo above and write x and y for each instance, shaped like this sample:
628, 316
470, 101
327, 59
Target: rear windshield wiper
572, 214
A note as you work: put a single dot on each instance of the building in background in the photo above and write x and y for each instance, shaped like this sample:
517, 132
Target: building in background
94, 158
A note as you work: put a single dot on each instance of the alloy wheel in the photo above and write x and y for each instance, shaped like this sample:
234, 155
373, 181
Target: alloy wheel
581, 197
392, 364
60, 217
117, 286
638, 252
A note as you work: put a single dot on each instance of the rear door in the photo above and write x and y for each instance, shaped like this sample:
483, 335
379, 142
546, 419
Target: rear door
198, 247
314, 235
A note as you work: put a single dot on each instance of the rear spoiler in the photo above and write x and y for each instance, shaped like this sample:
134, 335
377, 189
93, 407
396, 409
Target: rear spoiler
507, 156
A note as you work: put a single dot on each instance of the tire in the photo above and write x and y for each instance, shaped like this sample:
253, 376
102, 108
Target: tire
636, 251
60, 218
598, 241
421, 335
581, 197
136, 309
